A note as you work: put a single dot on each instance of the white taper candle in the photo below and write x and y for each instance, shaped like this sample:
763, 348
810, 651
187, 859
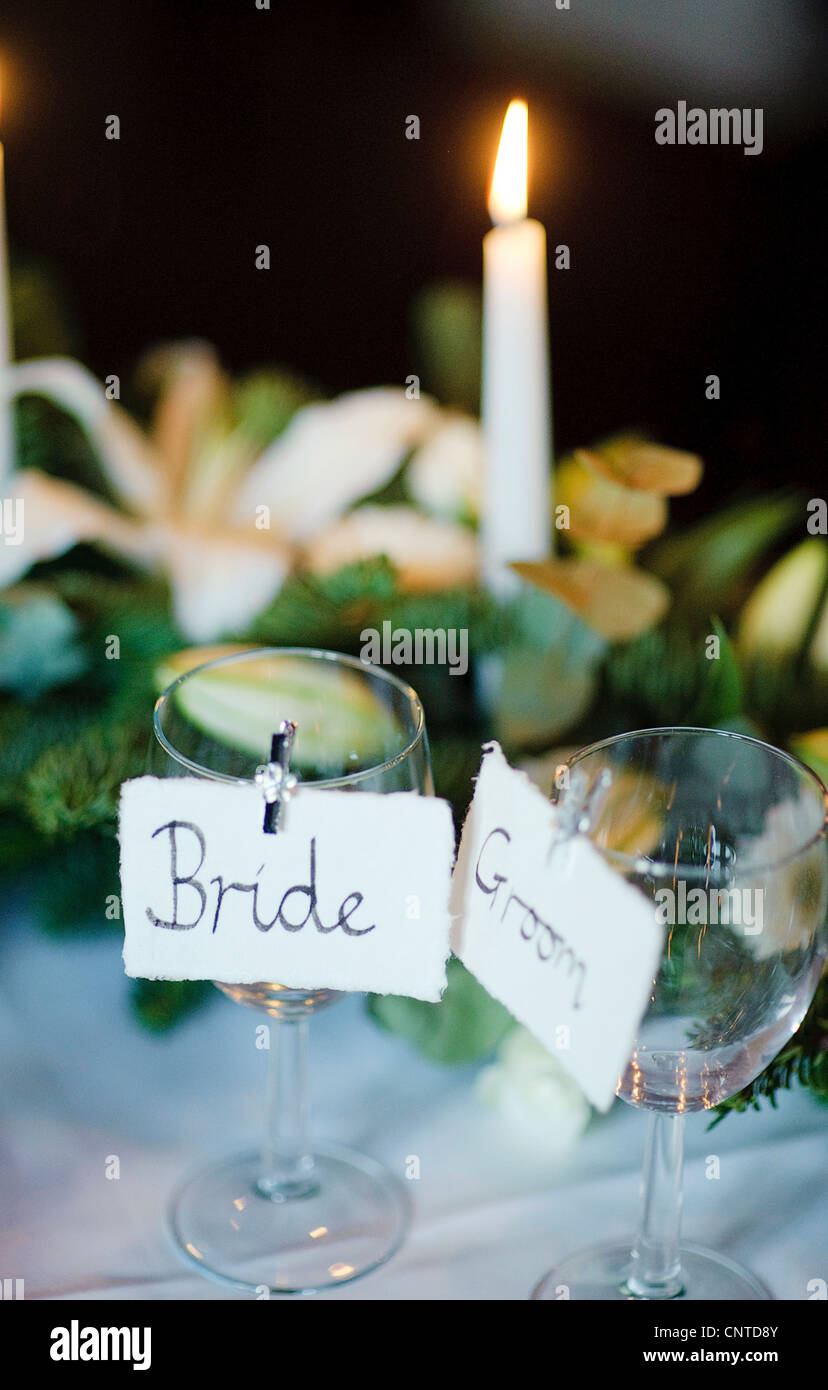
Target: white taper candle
515, 392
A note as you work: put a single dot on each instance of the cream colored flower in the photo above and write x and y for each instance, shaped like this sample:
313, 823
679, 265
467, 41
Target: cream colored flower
537, 1099
331, 455
445, 476
426, 552
221, 575
226, 525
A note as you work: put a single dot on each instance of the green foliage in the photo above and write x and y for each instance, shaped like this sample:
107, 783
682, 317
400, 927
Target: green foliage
20, 847
467, 1023
331, 610
541, 697
48, 438
26, 730
547, 673
73, 788
709, 566
803, 1061
73, 881
455, 762
786, 694
161, 1004
137, 612
472, 609
314, 610
665, 677
265, 401
540, 622
74, 725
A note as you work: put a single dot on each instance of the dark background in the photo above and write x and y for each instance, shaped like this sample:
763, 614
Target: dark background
287, 127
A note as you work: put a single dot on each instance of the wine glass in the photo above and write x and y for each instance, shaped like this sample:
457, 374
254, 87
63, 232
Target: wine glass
726, 836
294, 1217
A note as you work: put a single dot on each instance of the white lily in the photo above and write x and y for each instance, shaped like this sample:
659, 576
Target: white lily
445, 476
226, 525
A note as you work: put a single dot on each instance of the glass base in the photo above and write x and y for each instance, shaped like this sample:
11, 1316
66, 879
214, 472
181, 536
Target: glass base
352, 1221
600, 1274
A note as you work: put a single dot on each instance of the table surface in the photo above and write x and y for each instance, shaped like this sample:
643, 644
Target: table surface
80, 1080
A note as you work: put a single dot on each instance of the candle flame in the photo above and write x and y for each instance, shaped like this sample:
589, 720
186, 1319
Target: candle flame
507, 196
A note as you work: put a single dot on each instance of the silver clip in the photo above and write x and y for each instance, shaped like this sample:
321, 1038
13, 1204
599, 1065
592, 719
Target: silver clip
579, 807
274, 778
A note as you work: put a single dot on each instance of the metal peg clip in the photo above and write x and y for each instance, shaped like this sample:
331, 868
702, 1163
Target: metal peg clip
274, 778
579, 807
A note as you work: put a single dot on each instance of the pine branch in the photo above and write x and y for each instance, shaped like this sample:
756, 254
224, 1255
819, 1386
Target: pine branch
76, 787
803, 1061
667, 676
330, 610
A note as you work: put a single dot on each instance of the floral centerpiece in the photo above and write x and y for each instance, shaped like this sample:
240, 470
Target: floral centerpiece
254, 511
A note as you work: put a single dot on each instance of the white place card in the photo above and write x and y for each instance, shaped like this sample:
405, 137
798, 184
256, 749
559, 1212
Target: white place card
351, 894
553, 932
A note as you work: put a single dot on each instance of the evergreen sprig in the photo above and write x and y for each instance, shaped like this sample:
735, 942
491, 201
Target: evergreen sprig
803, 1061
667, 676
74, 788
327, 610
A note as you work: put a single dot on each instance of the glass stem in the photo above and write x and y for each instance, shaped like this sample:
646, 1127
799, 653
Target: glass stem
287, 1161
656, 1263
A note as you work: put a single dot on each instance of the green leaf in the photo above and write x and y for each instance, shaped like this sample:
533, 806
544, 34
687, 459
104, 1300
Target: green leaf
540, 622
541, 695
545, 677
465, 1025
787, 695
720, 694
779, 618
708, 567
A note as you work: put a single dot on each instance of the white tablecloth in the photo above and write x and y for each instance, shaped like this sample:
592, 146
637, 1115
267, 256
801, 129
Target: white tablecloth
79, 1081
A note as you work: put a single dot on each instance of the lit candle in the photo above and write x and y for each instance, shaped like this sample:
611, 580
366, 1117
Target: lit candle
515, 395
6, 417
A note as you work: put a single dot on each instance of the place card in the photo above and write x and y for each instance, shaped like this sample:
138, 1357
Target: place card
552, 931
351, 894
